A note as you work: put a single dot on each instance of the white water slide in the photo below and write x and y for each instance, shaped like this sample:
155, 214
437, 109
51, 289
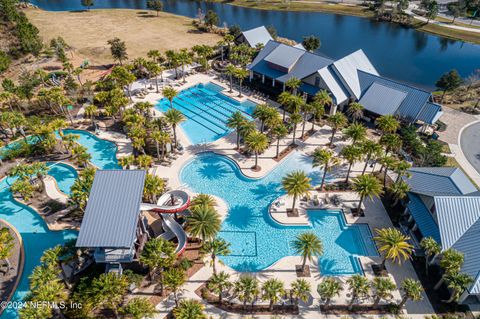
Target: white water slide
168, 204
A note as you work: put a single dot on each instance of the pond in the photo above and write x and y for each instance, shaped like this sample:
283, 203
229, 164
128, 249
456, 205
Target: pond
397, 52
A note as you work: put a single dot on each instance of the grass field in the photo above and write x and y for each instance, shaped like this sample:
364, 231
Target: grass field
473, 37
88, 32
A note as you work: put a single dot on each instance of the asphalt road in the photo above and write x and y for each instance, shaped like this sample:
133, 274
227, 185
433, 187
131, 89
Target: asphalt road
470, 144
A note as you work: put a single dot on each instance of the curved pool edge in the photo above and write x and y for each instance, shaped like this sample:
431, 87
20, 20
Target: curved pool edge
76, 169
22, 262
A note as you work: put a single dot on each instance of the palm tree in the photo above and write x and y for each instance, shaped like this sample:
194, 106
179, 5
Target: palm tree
371, 150
366, 186
256, 142
393, 244
451, 263
352, 154
246, 289
293, 84
307, 245
355, 111
204, 222
174, 117
261, 113
391, 142
458, 282
91, 111
307, 108
300, 290
174, 278
108, 290
203, 199
189, 309
412, 289
170, 93
216, 247
230, 71
285, 99
184, 57
382, 288
219, 283
272, 290
431, 248
279, 131
387, 161
247, 128
296, 184
387, 124
337, 121
138, 308
356, 132
161, 139
318, 110
236, 121
359, 288
157, 255
6, 246
399, 191
294, 119
401, 169
323, 98
240, 74
325, 159
329, 288
126, 161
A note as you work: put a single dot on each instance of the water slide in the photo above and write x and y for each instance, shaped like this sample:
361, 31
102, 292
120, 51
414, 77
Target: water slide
168, 204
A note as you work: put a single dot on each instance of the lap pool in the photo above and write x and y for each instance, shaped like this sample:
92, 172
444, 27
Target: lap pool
256, 240
206, 110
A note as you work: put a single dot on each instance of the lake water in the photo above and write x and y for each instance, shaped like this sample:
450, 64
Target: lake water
397, 52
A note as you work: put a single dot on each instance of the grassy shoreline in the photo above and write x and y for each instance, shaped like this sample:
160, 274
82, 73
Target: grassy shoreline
352, 10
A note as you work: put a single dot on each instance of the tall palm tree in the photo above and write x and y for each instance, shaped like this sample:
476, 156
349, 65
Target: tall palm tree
387, 124
91, 111
246, 289
401, 169
236, 121
272, 290
170, 93
412, 289
279, 131
382, 287
355, 111
431, 248
387, 162
391, 142
307, 245
293, 84
108, 290
352, 154
260, 113
184, 57
285, 99
296, 184
241, 74
204, 222
294, 119
307, 108
329, 288
451, 263
161, 139
189, 309
458, 282
356, 132
393, 245
219, 283
216, 247
318, 110
230, 71
256, 142
174, 117
399, 191
359, 288
203, 199
337, 121
366, 186
174, 278
157, 255
153, 186
323, 98
325, 159
300, 290
371, 150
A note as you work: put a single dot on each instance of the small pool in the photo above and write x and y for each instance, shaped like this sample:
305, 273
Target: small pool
104, 153
207, 111
64, 174
256, 240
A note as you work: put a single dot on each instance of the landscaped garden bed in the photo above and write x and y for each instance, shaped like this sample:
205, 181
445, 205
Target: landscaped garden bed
359, 309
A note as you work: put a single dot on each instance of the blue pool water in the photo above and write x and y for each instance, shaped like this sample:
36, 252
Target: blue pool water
64, 174
35, 234
103, 152
207, 111
256, 240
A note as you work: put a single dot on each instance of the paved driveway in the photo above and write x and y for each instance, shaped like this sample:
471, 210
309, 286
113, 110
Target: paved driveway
470, 143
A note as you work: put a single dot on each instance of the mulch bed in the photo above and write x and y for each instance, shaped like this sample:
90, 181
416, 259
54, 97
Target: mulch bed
292, 213
357, 309
285, 152
379, 271
231, 307
307, 135
300, 273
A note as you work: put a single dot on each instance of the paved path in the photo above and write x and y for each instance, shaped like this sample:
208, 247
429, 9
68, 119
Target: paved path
443, 24
470, 144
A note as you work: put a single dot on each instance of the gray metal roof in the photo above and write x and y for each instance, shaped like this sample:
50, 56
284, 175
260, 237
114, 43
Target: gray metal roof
113, 208
439, 181
331, 80
459, 223
257, 36
430, 113
285, 56
306, 65
382, 100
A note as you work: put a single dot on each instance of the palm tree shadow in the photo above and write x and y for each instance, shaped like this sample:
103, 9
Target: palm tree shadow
212, 171
241, 217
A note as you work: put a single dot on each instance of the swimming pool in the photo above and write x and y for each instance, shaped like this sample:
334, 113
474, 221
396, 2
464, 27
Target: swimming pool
256, 240
64, 174
207, 111
104, 153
